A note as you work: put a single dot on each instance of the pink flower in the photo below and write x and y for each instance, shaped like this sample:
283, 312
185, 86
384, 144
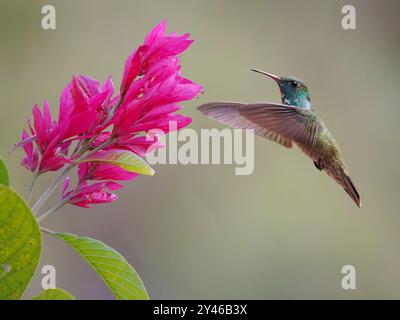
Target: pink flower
90, 194
141, 145
85, 103
150, 101
30, 161
156, 48
100, 171
90, 117
48, 136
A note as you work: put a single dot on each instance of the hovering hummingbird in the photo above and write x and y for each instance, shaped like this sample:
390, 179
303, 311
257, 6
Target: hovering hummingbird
292, 122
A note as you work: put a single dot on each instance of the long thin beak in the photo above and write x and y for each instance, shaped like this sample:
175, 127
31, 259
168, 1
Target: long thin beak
276, 78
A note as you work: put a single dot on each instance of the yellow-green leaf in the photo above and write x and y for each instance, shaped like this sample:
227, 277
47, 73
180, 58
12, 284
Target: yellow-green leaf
116, 272
4, 179
124, 159
54, 294
20, 244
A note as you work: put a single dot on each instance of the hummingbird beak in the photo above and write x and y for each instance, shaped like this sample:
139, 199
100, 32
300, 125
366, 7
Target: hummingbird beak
276, 78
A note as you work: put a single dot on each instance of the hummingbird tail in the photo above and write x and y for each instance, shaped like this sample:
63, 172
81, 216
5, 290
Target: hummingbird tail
348, 185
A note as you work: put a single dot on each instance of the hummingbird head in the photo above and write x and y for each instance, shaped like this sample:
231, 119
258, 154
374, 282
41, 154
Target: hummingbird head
294, 91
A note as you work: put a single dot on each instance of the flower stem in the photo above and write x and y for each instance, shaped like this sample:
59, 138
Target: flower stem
52, 210
51, 189
43, 198
47, 230
32, 185
58, 180
114, 108
61, 204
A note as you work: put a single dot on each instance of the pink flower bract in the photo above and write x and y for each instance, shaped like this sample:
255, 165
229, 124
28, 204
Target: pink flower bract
92, 117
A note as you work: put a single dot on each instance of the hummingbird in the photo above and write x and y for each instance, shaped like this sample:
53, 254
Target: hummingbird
294, 121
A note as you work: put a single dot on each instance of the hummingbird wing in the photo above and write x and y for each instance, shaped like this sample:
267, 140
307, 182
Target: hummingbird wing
293, 123
229, 113
302, 127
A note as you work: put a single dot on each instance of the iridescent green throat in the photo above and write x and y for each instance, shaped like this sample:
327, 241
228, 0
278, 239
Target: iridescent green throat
294, 92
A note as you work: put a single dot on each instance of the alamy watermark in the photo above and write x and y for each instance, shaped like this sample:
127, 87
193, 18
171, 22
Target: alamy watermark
349, 18
211, 146
49, 17
49, 277
349, 280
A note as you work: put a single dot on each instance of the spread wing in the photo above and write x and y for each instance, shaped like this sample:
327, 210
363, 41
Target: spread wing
230, 113
293, 123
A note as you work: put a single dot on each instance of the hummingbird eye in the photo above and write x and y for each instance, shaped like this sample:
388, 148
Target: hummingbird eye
294, 84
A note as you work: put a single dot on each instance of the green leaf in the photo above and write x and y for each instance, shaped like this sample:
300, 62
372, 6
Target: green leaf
127, 160
54, 294
20, 244
112, 267
4, 179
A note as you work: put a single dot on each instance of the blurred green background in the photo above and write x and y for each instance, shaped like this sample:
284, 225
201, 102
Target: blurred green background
199, 231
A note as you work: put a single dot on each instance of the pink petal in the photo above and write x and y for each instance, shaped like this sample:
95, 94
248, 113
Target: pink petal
160, 111
47, 115
144, 145
79, 97
83, 170
80, 123
66, 103
65, 186
39, 127
28, 146
131, 69
166, 124
94, 198
157, 32
110, 172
